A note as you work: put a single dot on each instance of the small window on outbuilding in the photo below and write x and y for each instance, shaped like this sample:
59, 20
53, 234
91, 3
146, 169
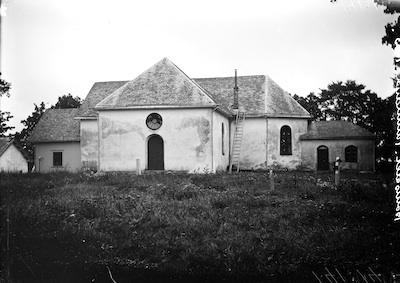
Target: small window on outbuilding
286, 141
350, 153
57, 158
223, 140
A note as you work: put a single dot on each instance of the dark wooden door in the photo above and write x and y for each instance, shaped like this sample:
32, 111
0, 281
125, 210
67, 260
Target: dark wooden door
155, 152
322, 158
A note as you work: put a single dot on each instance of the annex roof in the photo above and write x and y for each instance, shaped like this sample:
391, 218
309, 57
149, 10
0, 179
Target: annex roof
328, 130
56, 125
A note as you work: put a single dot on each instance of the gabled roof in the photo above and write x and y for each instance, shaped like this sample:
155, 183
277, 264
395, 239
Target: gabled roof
163, 84
335, 130
6, 142
56, 125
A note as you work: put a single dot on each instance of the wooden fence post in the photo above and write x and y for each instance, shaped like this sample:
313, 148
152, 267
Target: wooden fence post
336, 168
138, 171
271, 180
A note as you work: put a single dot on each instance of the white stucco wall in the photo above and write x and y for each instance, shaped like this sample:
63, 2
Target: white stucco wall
71, 156
12, 160
221, 161
89, 143
365, 153
187, 136
253, 150
274, 125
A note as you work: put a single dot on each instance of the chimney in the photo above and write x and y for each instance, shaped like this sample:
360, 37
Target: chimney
235, 94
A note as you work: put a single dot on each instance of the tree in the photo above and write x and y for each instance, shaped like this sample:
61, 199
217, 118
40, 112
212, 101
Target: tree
350, 101
4, 116
311, 104
67, 101
30, 123
4, 88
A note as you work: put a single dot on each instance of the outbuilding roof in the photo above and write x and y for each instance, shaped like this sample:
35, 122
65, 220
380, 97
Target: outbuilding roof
331, 130
6, 142
56, 125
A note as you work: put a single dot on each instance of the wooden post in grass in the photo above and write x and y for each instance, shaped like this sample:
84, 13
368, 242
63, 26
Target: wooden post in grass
8, 258
336, 168
138, 172
271, 180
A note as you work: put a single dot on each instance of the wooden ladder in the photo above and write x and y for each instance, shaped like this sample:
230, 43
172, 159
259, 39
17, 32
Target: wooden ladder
237, 141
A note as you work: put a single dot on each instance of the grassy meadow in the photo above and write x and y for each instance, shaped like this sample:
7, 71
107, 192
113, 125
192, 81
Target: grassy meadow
178, 227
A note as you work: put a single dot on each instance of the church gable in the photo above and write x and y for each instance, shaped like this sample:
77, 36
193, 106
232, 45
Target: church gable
163, 84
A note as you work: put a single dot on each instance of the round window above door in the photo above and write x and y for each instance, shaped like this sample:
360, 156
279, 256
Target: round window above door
154, 121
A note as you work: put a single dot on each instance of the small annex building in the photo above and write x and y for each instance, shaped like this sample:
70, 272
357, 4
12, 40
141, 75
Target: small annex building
13, 158
165, 120
326, 140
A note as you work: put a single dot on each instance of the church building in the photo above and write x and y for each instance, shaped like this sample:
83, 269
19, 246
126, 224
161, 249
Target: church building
165, 120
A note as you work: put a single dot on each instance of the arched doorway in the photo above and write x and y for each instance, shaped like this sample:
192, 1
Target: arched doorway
322, 158
155, 153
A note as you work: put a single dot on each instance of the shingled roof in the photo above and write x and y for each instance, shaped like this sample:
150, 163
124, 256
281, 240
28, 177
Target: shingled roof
251, 91
4, 144
97, 93
56, 125
335, 130
163, 84
258, 95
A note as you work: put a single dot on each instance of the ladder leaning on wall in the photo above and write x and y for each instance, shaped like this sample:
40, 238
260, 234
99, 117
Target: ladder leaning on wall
237, 141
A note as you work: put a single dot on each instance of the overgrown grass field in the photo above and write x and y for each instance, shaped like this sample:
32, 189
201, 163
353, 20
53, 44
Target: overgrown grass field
175, 227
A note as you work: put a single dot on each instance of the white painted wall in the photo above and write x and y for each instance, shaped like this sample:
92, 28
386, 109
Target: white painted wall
221, 161
274, 125
12, 160
71, 156
187, 136
253, 151
89, 143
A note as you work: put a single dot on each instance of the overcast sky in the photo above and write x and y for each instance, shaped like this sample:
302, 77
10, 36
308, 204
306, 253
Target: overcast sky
56, 47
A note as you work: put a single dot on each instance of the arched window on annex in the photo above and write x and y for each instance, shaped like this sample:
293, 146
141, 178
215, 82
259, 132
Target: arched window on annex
350, 154
286, 141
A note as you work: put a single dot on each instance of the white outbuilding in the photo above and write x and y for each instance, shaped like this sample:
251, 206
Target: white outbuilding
12, 157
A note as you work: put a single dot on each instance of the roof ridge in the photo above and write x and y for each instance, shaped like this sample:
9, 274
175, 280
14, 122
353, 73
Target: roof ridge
103, 82
228, 77
191, 80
